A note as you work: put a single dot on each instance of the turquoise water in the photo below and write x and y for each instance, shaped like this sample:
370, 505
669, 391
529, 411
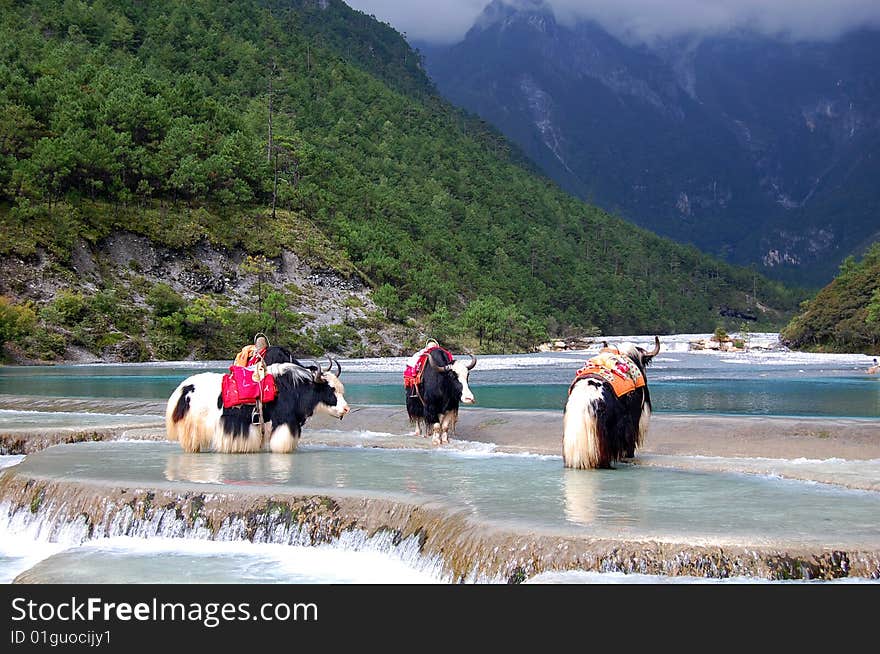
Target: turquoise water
524, 492
854, 397
763, 384
140, 381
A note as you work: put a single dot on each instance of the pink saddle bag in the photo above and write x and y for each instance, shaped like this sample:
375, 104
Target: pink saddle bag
239, 387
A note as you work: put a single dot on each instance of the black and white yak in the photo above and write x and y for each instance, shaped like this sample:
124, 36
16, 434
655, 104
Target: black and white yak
196, 418
433, 402
599, 427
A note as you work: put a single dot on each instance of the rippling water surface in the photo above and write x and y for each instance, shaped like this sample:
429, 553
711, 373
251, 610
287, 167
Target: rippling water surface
502, 489
754, 383
529, 491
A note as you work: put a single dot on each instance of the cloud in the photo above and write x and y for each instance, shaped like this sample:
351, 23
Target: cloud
440, 21
645, 20
446, 21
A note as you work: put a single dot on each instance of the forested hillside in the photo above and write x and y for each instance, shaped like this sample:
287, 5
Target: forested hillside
845, 315
299, 127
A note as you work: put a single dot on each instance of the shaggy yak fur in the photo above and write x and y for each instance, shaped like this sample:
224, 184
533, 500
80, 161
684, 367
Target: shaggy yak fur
196, 418
434, 402
600, 428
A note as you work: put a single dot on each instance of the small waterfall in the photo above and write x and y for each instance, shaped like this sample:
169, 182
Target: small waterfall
38, 527
49, 534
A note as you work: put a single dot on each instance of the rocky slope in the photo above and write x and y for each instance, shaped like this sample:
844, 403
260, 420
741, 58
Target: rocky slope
323, 297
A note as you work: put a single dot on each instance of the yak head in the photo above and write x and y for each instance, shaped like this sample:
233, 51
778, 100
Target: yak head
639, 355
333, 396
311, 387
460, 371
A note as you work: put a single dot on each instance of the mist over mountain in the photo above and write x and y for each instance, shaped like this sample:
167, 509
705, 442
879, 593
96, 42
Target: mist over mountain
762, 150
640, 21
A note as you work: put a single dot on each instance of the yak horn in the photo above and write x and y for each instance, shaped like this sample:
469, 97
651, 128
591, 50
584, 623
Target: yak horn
317, 373
656, 349
330, 366
436, 367
473, 362
338, 367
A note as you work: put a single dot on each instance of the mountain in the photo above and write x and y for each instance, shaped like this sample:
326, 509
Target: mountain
177, 176
758, 150
845, 315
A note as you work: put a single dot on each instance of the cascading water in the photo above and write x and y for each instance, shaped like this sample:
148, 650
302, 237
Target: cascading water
475, 514
40, 546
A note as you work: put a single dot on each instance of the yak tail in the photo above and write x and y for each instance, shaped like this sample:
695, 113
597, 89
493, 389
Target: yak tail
182, 405
582, 441
176, 423
643, 424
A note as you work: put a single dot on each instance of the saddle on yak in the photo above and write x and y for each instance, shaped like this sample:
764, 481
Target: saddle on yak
244, 385
415, 365
247, 381
614, 368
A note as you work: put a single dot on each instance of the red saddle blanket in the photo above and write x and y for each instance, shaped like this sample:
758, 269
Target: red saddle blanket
239, 387
412, 375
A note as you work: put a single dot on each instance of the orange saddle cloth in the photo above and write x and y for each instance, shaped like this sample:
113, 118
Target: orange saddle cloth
615, 369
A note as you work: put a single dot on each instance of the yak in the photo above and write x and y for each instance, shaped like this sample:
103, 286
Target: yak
609, 407
432, 401
196, 418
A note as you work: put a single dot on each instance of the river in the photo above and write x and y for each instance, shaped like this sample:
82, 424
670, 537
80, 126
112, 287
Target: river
517, 492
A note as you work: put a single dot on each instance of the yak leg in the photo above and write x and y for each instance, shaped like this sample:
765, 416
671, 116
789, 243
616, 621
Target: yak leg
447, 422
419, 423
284, 440
251, 441
435, 438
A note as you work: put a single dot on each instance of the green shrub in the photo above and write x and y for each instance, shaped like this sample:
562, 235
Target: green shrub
108, 340
164, 300
387, 299
67, 308
335, 338
16, 320
293, 290
167, 345
112, 307
305, 344
245, 325
414, 305
45, 345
